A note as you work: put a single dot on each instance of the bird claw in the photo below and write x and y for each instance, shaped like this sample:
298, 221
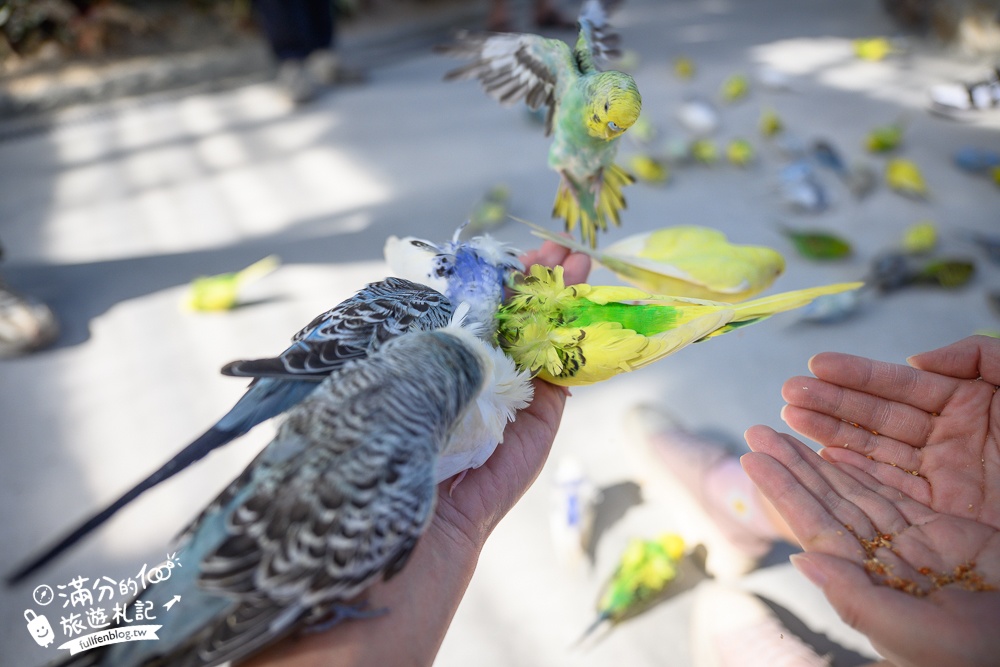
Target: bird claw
456, 481
337, 613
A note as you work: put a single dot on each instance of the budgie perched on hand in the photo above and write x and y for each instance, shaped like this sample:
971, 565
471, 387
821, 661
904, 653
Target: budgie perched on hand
337, 501
686, 260
583, 334
472, 271
588, 109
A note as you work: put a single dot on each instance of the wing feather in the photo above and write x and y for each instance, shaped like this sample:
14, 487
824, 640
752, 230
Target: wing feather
514, 67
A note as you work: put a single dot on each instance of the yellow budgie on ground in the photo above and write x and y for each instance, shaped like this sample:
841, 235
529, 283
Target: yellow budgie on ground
583, 334
222, 292
686, 260
588, 109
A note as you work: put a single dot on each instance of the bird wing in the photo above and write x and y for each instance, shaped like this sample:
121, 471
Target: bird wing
514, 67
596, 36
337, 500
352, 330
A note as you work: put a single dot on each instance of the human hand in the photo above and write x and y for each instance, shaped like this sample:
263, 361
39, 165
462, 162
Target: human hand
900, 521
422, 599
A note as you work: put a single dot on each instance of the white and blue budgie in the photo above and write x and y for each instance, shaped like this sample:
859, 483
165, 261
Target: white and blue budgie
337, 501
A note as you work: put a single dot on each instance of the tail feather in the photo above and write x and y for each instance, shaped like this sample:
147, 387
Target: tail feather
749, 312
208, 441
576, 204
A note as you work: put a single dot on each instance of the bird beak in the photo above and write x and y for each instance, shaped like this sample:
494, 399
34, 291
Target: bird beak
614, 129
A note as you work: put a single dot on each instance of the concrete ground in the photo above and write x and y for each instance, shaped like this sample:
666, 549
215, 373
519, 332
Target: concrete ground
108, 212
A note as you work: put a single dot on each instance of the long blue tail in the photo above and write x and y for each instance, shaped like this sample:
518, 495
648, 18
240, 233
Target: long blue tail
266, 398
211, 439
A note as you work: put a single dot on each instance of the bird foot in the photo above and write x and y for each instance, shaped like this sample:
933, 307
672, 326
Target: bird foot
337, 613
456, 481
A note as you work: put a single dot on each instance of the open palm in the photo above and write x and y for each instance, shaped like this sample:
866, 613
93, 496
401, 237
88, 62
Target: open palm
900, 517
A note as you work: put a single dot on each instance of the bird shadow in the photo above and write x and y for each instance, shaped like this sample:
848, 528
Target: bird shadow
613, 502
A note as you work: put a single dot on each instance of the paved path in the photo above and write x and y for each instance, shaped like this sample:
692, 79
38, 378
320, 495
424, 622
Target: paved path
108, 215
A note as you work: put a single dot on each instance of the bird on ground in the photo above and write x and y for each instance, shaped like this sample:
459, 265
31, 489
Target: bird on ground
644, 571
222, 291
588, 109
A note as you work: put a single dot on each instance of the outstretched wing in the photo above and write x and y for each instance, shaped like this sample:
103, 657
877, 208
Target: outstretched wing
352, 330
514, 67
597, 39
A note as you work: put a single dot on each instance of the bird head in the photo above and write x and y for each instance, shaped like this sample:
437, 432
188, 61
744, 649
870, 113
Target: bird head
474, 271
615, 105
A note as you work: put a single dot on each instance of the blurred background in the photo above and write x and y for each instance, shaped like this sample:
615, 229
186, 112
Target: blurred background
145, 144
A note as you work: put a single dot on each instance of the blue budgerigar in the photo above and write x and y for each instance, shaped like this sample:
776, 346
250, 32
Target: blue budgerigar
351, 330
337, 501
440, 277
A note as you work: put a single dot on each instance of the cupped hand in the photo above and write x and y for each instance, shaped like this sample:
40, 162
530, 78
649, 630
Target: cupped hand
899, 517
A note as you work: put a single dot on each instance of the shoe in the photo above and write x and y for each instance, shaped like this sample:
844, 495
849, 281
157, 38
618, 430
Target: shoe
26, 325
677, 464
731, 627
957, 98
297, 82
326, 68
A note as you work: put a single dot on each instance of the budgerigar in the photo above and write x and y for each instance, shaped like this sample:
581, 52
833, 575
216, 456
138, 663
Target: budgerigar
337, 501
685, 260
350, 330
472, 271
588, 109
644, 570
583, 334
222, 292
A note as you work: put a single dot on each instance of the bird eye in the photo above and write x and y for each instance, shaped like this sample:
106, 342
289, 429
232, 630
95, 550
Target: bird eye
613, 126
607, 105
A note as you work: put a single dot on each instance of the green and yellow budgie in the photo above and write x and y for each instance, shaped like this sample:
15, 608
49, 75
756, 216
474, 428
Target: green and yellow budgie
222, 292
644, 570
583, 334
588, 109
685, 260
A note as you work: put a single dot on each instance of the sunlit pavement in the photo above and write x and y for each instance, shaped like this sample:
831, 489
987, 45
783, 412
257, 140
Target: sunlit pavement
108, 216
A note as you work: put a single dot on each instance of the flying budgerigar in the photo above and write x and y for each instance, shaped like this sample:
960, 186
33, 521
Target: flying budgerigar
685, 260
588, 109
337, 501
583, 334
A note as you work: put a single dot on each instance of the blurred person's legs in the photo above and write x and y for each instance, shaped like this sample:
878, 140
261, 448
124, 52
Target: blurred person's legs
302, 37
714, 501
